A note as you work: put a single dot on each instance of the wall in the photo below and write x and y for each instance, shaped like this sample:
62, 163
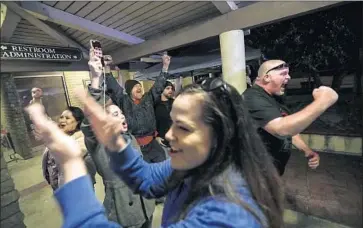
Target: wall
2, 109
335, 144
11, 215
147, 84
73, 80
76, 79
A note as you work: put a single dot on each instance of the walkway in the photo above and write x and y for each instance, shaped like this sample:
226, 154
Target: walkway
41, 210
333, 191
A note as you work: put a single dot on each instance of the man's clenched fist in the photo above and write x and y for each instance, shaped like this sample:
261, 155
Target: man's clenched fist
326, 95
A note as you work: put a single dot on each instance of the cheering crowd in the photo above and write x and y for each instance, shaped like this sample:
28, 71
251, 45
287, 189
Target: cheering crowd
212, 156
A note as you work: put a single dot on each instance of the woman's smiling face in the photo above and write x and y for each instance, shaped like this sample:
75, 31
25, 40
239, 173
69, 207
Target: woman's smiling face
190, 138
67, 122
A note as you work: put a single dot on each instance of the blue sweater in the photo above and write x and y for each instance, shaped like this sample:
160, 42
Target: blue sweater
150, 181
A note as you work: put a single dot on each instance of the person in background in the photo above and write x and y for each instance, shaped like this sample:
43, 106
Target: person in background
122, 206
37, 94
219, 173
69, 122
37, 98
138, 108
278, 126
162, 111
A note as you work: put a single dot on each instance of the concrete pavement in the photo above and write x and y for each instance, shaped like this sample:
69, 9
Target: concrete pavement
41, 210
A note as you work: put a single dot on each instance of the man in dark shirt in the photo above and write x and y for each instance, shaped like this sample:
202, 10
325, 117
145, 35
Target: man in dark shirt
162, 111
278, 127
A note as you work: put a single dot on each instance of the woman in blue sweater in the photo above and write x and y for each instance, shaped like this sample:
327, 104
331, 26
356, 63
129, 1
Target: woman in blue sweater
219, 173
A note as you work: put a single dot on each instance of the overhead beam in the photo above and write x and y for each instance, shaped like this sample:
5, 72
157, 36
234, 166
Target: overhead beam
46, 28
225, 6
9, 23
45, 12
248, 17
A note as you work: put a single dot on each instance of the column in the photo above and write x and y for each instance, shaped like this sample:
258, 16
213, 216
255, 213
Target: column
233, 59
15, 121
2, 14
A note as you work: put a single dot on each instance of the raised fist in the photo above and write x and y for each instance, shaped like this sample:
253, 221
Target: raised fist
326, 95
166, 60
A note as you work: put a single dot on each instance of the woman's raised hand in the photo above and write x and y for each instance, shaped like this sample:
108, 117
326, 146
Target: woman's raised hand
107, 130
63, 147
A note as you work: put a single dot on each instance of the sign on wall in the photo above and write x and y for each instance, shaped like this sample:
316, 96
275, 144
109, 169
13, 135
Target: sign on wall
37, 52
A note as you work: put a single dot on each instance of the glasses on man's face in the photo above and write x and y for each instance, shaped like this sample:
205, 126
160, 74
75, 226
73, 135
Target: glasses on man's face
279, 67
211, 84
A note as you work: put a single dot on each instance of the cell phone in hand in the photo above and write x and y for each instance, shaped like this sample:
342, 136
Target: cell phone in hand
96, 45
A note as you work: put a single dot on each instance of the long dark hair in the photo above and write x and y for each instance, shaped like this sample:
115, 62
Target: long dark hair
238, 147
78, 115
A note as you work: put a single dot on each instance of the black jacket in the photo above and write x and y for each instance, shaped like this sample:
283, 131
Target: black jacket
140, 117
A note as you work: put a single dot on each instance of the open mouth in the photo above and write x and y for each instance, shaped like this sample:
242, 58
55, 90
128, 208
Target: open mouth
283, 86
124, 124
62, 125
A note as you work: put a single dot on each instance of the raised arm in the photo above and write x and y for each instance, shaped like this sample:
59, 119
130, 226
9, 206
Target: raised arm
113, 88
149, 180
89, 137
159, 85
268, 118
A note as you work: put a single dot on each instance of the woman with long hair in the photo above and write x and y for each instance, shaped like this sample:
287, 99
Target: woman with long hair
70, 123
219, 173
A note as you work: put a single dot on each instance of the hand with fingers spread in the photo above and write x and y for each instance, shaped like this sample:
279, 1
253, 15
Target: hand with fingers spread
107, 131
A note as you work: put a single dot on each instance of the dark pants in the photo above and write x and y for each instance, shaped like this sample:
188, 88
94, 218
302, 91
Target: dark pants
280, 160
153, 152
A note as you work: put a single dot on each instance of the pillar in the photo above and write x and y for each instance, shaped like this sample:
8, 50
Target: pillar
15, 121
3, 14
233, 59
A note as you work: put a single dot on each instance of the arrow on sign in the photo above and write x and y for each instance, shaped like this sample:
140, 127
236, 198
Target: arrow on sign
3, 47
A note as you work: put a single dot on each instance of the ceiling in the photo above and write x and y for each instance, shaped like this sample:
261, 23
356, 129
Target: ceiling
133, 29
143, 19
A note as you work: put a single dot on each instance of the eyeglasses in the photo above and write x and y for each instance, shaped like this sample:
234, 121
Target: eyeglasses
211, 84
279, 67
